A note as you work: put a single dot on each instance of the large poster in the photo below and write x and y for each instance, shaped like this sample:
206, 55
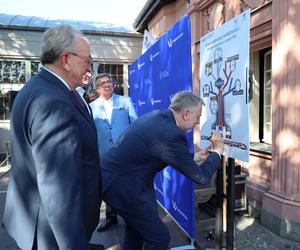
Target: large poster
224, 67
163, 70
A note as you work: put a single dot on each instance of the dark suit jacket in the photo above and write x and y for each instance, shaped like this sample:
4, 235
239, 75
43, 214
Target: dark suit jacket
150, 144
54, 188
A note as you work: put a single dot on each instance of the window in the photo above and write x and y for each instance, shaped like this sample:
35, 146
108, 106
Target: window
12, 79
35, 68
267, 100
261, 104
6, 101
116, 71
13, 72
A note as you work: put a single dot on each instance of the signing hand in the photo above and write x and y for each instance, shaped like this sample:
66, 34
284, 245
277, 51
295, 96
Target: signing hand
217, 143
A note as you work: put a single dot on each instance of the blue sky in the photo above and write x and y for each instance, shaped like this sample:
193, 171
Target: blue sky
121, 12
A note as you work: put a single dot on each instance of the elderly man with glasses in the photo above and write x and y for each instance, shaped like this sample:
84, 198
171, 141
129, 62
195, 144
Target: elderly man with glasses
54, 192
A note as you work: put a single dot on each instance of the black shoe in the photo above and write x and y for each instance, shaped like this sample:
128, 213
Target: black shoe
106, 224
96, 247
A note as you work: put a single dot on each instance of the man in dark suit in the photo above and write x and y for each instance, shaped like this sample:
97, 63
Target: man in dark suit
54, 191
150, 144
112, 114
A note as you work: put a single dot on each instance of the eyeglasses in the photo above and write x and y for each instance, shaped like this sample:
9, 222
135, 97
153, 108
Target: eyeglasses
103, 83
89, 59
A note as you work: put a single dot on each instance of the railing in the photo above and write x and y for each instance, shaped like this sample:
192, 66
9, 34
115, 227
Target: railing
5, 161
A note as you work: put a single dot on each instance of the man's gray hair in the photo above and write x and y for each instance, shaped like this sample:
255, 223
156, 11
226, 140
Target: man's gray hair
56, 40
185, 99
101, 75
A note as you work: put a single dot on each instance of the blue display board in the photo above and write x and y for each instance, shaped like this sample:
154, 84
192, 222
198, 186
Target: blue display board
155, 77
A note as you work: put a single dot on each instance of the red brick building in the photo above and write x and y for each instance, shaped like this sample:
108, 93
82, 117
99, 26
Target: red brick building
274, 169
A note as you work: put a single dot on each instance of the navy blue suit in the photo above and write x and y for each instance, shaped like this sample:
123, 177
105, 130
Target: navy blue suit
53, 196
150, 144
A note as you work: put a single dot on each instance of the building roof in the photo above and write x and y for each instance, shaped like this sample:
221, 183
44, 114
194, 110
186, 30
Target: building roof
42, 23
148, 12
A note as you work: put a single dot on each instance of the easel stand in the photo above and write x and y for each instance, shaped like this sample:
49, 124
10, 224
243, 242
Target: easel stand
229, 205
219, 211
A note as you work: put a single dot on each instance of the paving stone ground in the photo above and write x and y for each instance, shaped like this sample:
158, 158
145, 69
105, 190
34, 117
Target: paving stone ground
249, 233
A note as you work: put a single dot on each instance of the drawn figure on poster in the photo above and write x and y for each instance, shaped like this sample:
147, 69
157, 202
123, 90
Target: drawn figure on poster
223, 86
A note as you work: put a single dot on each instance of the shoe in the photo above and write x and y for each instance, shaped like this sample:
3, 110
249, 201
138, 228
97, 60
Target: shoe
106, 224
96, 247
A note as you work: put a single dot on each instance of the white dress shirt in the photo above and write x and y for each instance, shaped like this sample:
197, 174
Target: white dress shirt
64, 82
108, 107
81, 91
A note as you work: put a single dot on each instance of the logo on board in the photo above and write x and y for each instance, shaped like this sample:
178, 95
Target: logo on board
131, 72
140, 65
154, 101
163, 74
152, 56
171, 97
172, 41
141, 103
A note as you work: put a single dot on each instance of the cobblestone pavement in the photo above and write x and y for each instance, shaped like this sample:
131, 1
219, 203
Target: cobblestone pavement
249, 233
